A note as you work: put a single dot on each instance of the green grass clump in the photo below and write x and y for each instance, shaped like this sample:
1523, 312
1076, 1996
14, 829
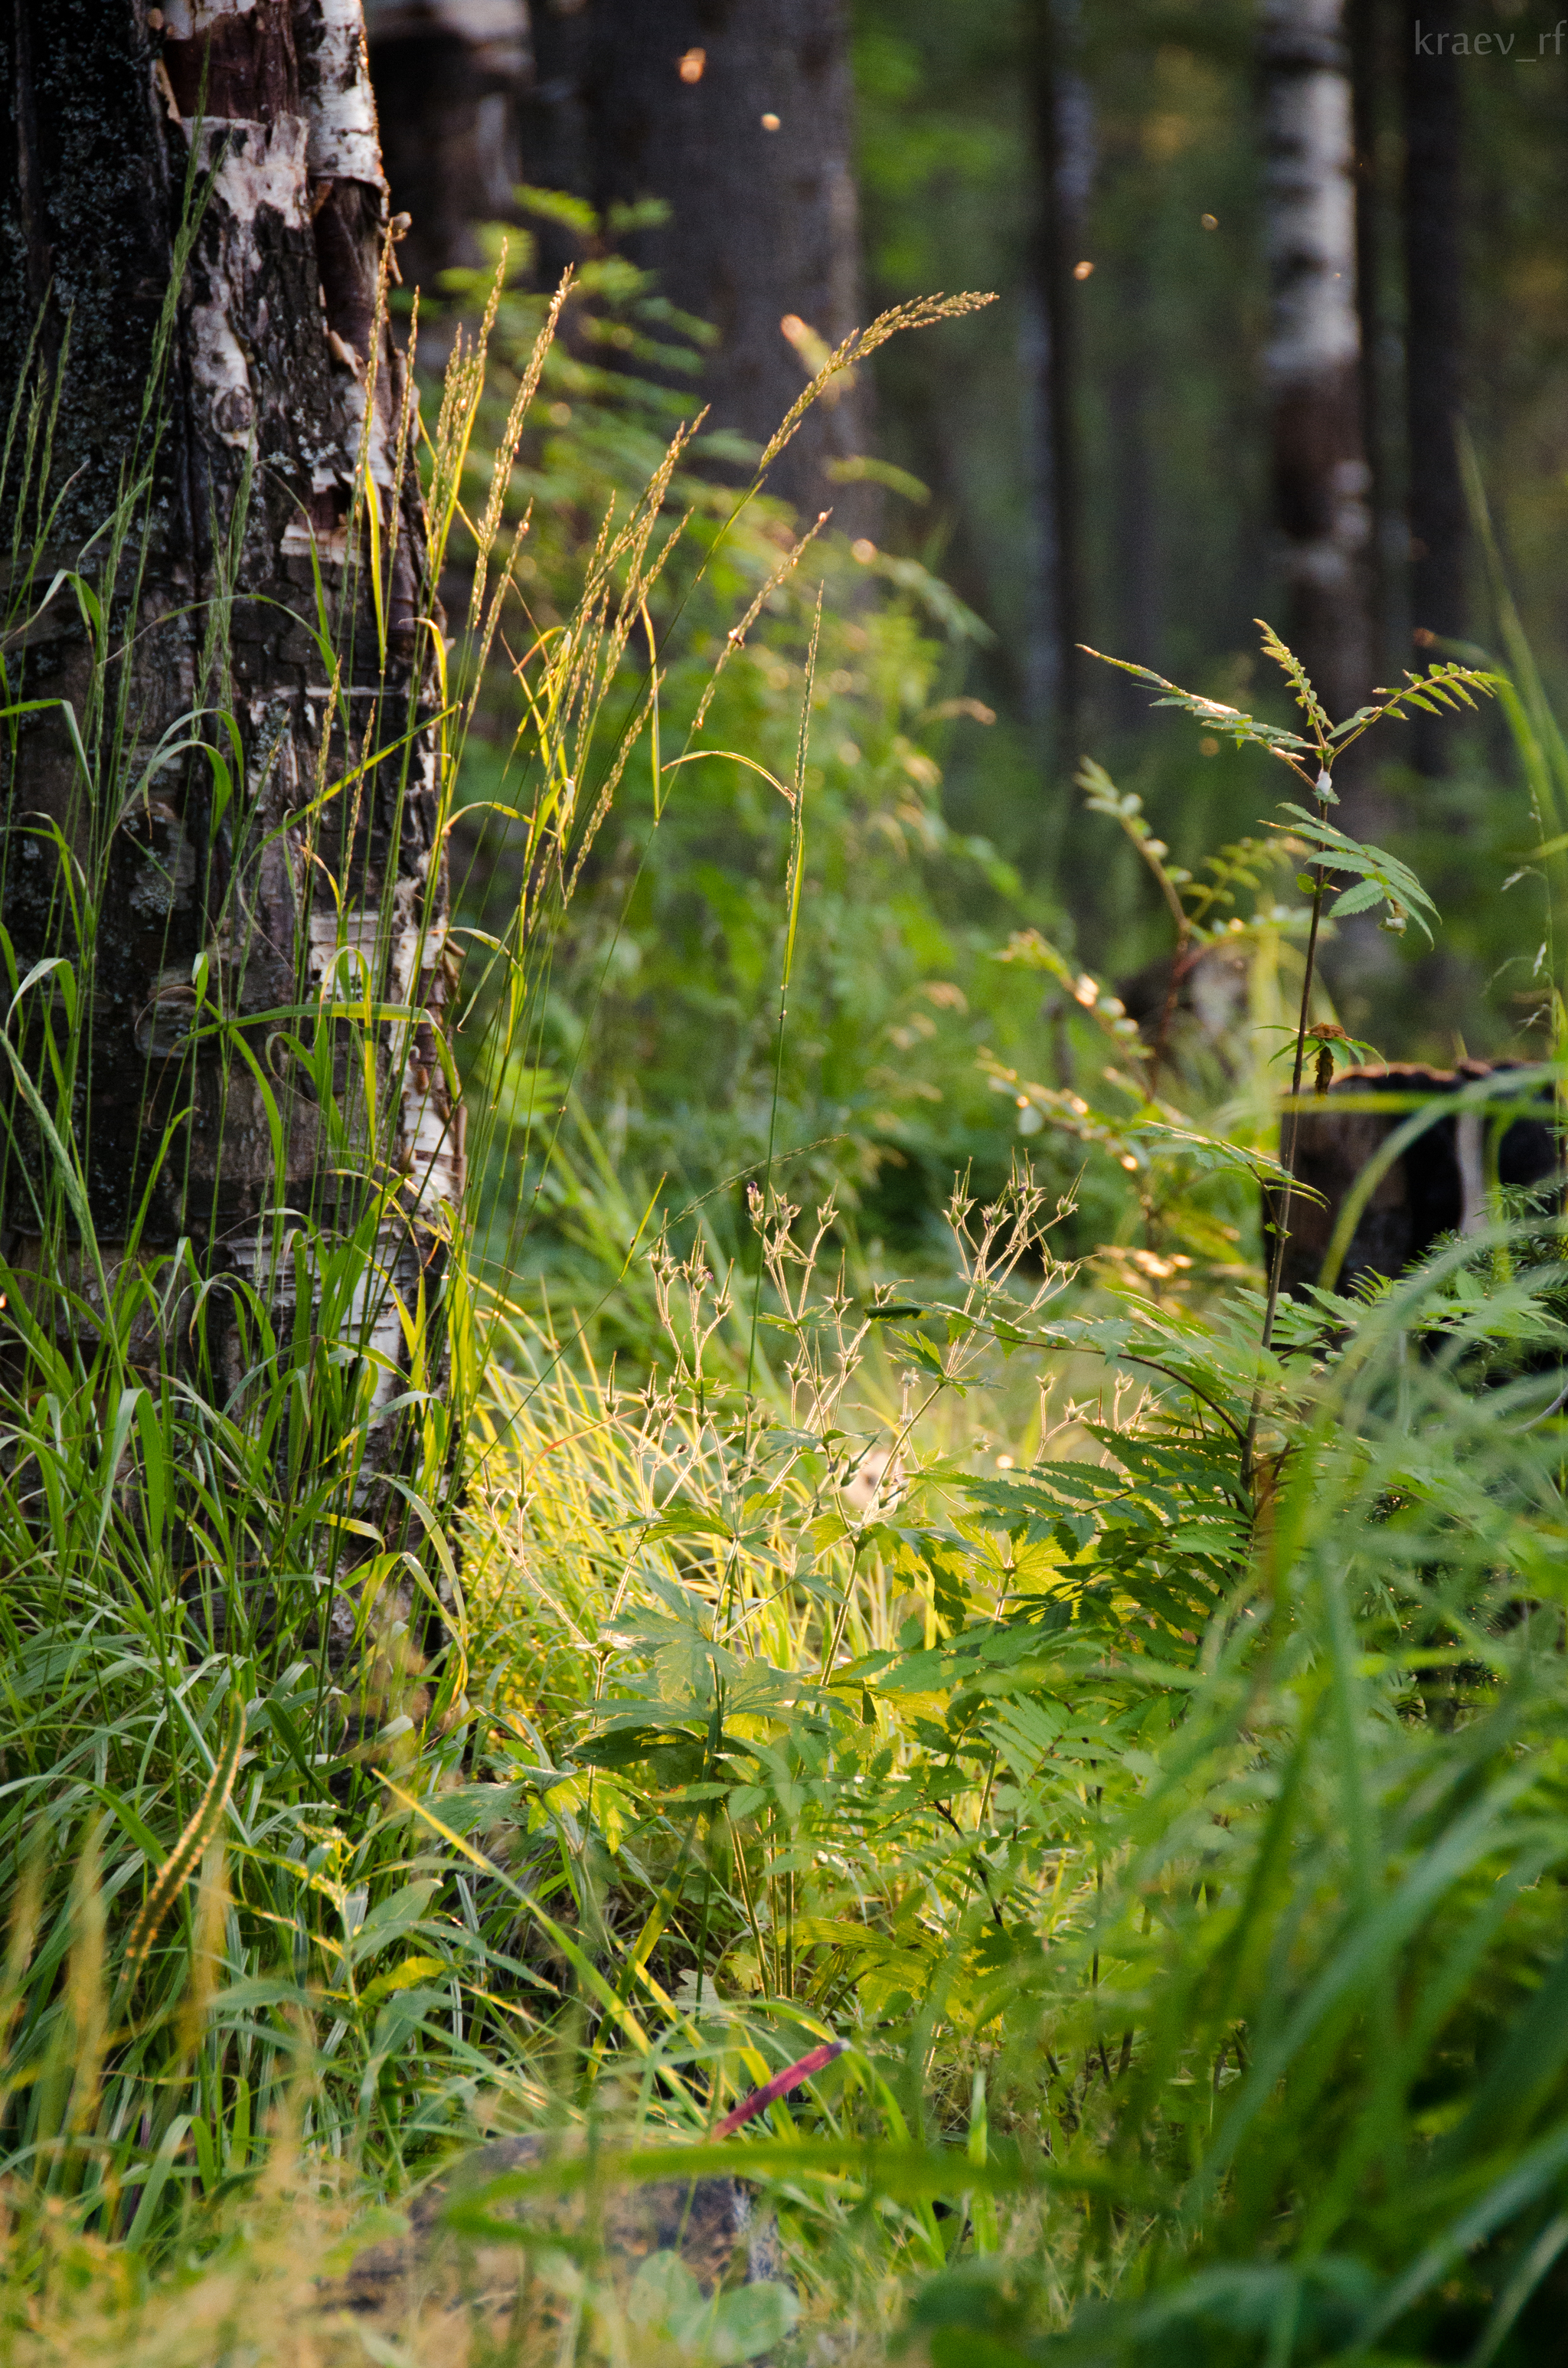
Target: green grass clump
1124, 1707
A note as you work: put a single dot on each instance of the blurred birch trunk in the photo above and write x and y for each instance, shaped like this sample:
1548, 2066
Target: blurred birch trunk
1321, 477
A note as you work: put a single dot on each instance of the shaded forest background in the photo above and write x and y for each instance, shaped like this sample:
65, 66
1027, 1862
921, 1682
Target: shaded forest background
1088, 460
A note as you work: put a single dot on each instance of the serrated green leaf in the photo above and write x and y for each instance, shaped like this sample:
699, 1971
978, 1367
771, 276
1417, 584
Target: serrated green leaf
1358, 899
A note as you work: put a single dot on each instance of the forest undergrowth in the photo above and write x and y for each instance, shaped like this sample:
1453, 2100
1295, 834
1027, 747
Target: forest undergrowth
1090, 1727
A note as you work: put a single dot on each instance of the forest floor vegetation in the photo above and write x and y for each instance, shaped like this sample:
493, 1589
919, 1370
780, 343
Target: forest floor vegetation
1088, 1725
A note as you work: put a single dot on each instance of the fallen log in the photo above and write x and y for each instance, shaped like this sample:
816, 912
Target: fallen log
1440, 1184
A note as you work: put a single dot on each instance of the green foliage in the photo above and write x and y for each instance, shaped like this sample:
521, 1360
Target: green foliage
1167, 1812
1216, 1834
1173, 480
659, 1013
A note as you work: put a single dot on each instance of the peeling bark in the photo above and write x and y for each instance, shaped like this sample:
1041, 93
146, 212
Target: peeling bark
277, 381
1371, 65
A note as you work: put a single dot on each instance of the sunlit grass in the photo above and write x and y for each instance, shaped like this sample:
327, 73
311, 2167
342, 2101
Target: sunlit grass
1139, 1743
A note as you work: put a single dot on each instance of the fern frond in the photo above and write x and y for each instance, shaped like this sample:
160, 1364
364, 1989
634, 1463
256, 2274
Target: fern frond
1299, 680
1211, 713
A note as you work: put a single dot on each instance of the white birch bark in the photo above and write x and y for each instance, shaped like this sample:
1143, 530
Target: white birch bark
1321, 481
286, 395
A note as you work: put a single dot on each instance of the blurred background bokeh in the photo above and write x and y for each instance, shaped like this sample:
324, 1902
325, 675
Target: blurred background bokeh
1280, 330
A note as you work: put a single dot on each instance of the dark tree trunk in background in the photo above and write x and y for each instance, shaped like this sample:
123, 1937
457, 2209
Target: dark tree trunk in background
736, 113
274, 354
1370, 67
1136, 546
1061, 142
449, 76
1319, 464
1434, 345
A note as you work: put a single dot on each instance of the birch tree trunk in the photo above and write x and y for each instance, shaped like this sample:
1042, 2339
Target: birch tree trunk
287, 894
1321, 479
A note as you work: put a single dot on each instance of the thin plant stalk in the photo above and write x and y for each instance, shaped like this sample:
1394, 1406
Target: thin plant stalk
1282, 1220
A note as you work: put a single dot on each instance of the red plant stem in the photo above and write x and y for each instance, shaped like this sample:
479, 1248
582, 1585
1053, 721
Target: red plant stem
779, 2086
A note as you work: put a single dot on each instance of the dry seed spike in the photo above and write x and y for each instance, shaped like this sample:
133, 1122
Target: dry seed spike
203, 1823
506, 452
